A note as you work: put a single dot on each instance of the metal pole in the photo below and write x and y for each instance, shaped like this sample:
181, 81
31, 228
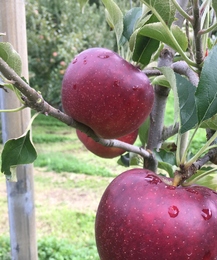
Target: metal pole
20, 194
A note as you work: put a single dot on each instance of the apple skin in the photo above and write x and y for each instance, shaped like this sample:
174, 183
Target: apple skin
106, 93
142, 218
103, 151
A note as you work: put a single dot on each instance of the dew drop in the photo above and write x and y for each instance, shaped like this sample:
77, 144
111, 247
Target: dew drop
206, 214
116, 83
152, 179
85, 61
191, 190
135, 87
173, 211
170, 187
103, 56
74, 61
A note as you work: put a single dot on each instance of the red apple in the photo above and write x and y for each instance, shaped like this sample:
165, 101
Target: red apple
106, 93
103, 151
141, 217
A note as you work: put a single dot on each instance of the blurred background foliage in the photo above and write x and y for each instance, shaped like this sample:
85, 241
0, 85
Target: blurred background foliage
56, 32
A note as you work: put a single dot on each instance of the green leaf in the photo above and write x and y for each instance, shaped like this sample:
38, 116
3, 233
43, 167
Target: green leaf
128, 159
160, 80
214, 5
166, 161
210, 123
130, 20
83, 4
142, 46
206, 93
9, 55
165, 9
17, 151
188, 114
158, 32
143, 131
114, 17
170, 76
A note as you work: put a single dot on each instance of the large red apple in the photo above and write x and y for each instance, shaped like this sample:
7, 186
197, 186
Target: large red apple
142, 218
106, 93
103, 151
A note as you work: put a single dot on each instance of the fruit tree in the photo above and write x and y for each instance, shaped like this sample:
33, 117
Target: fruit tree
165, 205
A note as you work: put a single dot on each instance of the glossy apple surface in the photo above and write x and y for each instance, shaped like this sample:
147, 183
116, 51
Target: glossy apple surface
106, 93
103, 151
141, 217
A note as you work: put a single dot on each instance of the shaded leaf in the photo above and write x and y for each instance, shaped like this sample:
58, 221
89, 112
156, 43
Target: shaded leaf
206, 93
114, 17
130, 20
160, 80
143, 131
9, 55
17, 151
214, 5
166, 161
142, 46
170, 76
210, 123
128, 159
188, 114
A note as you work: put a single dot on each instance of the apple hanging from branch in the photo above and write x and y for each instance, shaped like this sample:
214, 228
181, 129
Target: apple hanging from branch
105, 92
104, 151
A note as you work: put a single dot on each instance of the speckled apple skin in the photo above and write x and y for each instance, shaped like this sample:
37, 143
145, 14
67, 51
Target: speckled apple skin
141, 218
104, 151
106, 93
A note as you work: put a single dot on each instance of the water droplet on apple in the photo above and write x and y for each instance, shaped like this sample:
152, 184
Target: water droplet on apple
191, 190
74, 86
152, 179
169, 187
74, 61
116, 83
103, 56
173, 211
85, 61
135, 87
206, 214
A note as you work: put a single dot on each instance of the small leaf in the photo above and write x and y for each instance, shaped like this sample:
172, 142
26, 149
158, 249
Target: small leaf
170, 76
165, 9
17, 151
114, 17
158, 32
143, 131
206, 93
160, 80
128, 159
166, 161
188, 115
210, 123
9, 55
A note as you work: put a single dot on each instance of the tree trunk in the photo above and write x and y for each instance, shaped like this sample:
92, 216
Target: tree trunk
20, 194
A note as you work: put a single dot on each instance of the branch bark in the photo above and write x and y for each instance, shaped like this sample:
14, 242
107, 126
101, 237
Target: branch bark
35, 101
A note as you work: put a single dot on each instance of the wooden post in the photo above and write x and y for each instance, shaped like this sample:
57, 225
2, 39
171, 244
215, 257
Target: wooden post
20, 194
